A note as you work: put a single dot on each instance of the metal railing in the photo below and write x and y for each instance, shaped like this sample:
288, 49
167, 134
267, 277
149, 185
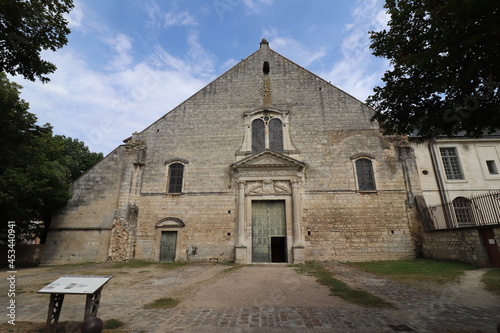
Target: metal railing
483, 209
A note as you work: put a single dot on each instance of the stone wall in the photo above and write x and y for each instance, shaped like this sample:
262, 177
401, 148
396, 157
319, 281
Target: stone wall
81, 231
460, 245
125, 195
26, 254
74, 246
353, 227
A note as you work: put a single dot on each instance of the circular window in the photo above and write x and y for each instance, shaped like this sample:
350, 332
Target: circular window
425, 172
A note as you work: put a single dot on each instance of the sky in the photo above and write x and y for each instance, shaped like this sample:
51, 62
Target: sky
129, 62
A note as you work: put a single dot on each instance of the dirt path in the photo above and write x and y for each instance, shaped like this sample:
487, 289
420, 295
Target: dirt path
263, 286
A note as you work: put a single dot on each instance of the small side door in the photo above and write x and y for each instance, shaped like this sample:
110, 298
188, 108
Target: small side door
491, 247
168, 245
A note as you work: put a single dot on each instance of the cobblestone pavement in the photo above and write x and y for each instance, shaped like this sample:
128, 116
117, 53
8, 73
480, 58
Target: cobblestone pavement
418, 310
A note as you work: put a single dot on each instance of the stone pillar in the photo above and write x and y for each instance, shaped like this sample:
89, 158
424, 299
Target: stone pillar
240, 248
298, 245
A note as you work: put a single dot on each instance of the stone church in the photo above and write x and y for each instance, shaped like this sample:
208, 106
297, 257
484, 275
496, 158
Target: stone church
267, 163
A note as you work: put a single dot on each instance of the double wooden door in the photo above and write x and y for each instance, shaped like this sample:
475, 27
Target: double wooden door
269, 231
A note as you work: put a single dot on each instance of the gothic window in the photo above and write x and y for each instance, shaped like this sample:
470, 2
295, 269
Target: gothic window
451, 163
258, 136
364, 174
175, 177
276, 135
267, 133
462, 207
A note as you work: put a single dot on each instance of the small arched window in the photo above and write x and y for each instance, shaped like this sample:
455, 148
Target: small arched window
364, 174
463, 213
175, 177
265, 68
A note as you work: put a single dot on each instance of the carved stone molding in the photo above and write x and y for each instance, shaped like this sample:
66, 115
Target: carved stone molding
268, 186
263, 173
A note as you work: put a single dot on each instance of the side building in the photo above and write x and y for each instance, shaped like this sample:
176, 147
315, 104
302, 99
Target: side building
460, 183
267, 163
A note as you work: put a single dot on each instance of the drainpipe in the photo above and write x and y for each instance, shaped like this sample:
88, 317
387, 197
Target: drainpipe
439, 180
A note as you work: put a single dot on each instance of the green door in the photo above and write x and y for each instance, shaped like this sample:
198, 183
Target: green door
167, 245
268, 231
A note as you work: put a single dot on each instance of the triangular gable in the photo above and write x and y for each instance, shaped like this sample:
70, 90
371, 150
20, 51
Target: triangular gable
264, 48
268, 158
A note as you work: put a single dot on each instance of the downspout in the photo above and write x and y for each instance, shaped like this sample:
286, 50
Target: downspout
439, 180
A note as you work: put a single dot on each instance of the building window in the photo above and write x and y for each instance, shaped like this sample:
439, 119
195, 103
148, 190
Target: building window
451, 164
258, 136
462, 207
276, 135
267, 133
175, 177
492, 167
364, 174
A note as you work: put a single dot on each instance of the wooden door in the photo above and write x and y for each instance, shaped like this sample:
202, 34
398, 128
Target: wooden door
168, 245
268, 231
491, 247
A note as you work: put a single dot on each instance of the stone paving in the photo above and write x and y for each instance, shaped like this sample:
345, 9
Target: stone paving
418, 309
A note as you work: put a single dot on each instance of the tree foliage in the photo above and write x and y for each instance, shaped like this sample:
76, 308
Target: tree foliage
444, 59
36, 167
26, 29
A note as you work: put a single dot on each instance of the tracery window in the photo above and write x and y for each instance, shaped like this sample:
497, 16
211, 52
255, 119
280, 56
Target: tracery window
364, 174
267, 133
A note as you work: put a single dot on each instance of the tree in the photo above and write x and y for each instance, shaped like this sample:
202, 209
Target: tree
444, 57
27, 28
80, 159
36, 167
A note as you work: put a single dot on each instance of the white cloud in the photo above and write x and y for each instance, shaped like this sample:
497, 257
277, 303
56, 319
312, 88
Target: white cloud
103, 108
122, 45
292, 49
75, 17
179, 19
359, 71
254, 5
160, 19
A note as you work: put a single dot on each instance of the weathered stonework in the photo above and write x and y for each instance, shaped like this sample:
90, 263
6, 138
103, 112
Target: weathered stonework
460, 245
324, 132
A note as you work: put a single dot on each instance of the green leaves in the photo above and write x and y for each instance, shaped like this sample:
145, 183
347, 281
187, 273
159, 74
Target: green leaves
27, 28
36, 167
444, 76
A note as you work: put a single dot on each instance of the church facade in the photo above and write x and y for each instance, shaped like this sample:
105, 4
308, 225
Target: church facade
267, 163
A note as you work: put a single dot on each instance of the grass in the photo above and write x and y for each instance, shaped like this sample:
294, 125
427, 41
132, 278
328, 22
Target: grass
491, 281
341, 289
163, 303
437, 271
112, 324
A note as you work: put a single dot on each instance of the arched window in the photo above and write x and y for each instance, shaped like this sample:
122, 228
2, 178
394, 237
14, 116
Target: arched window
175, 177
258, 136
276, 135
463, 213
267, 133
364, 173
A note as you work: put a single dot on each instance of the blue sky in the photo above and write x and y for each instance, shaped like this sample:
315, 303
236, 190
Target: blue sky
127, 63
